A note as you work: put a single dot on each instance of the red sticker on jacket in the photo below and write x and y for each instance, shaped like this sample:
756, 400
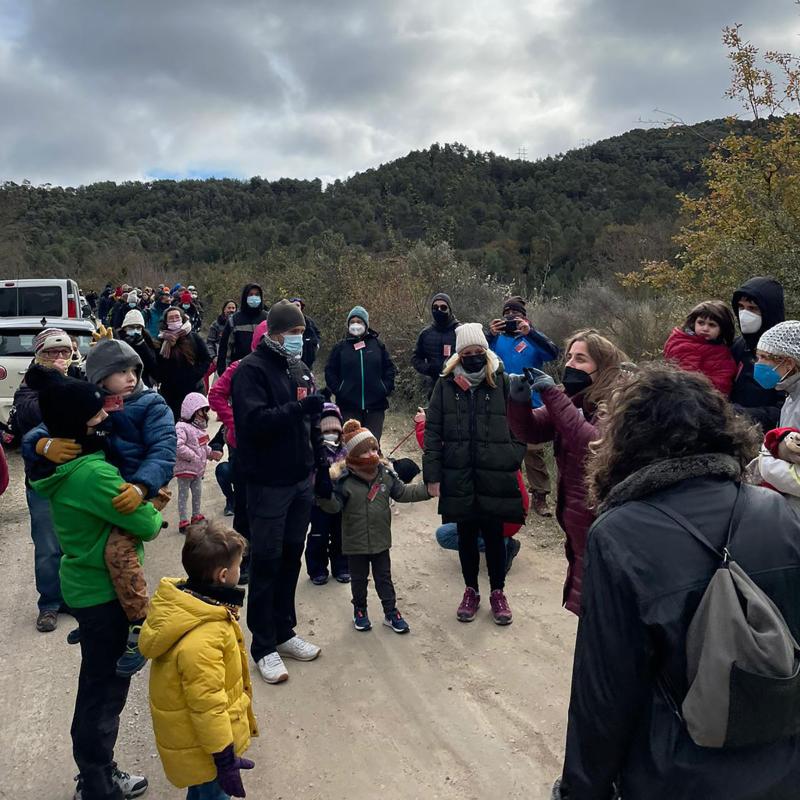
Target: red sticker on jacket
302, 392
447, 349
374, 489
202, 439
359, 345
522, 345
462, 382
113, 402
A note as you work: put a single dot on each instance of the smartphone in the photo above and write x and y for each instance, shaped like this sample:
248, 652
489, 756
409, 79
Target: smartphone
113, 402
511, 325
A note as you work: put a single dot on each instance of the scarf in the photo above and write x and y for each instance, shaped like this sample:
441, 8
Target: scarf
232, 597
171, 337
475, 379
300, 373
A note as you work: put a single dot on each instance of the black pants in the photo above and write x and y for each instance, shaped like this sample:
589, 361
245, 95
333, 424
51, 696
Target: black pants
100, 699
492, 532
373, 420
381, 574
278, 523
325, 542
241, 522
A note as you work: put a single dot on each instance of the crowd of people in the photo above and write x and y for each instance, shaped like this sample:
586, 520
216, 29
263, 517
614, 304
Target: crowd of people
660, 487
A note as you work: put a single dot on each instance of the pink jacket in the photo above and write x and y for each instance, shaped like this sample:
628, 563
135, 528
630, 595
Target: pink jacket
3, 471
219, 398
193, 451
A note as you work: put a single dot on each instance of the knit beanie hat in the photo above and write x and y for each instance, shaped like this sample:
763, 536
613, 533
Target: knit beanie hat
133, 317
360, 312
49, 338
515, 303
132, 297
109, 356
357, 440
67, 404
331, 421
468, 334
298, 300
783, 340
186, 297
444, 298
789, 436
283, 316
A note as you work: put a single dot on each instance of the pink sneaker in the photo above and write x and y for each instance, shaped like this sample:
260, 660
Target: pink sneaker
197, 518
501, 611
469, 605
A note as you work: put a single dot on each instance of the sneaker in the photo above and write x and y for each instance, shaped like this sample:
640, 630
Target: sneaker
183, 525
539, 504
130, 662
197, 518
47, 621
272, 668
130, 785
343, 577
228, 512
299, 649
361, 620
319, 580
469, 605
512, 548
74, 636
394, 621
501, 611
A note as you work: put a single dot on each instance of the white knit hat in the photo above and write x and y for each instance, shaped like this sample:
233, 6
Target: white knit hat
782, 340
468, 334
133, 297
133, 317
51, 338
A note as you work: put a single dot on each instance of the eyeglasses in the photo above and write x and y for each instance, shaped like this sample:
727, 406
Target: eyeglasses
54, 354
439, 308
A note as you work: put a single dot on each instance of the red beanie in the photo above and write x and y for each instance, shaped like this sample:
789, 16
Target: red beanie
774, 437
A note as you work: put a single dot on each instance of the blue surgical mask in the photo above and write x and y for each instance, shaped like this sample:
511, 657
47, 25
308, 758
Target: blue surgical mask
131, 305
186, 306
766, 376
254, 301
293, 343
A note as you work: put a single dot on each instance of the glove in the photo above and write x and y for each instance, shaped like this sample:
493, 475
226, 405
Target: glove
130, 497
59, 451
519, 389
161, 499
323, 486
102, 333
539, 380
311, 405
228, 765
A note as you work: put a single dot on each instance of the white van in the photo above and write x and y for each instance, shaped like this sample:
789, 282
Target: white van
40, 297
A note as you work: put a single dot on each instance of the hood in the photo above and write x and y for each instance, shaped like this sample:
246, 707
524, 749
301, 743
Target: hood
108, 356
172, 614
244, 308
191, 404
47, 487
258, 334
768, 295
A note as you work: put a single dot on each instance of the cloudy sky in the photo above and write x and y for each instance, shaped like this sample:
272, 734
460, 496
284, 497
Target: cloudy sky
132, 89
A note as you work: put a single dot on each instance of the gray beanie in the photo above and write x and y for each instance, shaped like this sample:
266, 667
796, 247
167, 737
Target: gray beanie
283, 316
782, 340
109, 356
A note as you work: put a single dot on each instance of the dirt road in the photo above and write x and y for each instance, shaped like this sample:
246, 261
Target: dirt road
450, 711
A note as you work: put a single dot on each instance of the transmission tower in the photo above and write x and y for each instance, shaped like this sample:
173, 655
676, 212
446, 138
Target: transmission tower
522, 153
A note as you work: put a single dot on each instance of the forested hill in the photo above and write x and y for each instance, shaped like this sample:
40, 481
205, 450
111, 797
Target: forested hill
505, 214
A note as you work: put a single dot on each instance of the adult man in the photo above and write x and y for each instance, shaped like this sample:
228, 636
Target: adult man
519, 345
236, 339
437, 342
277, 420
311, 336
160, 307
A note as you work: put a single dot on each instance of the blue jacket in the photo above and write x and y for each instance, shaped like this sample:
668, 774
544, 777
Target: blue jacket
142, 441
519, 352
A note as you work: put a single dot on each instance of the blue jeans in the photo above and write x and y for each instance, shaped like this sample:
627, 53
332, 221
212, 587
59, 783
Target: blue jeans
207, 791
447, 537
46, 552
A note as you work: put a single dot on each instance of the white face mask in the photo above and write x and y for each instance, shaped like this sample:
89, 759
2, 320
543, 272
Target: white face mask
749, 322
331, 438
357, 329
133, 332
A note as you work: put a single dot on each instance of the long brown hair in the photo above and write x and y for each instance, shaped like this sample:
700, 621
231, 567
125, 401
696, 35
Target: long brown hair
185, 345
612, 364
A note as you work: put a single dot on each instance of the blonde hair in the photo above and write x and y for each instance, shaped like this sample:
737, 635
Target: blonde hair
492, 363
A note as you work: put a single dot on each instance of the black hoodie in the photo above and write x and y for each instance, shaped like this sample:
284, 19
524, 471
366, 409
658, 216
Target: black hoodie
762, 405
436, 343
237, 338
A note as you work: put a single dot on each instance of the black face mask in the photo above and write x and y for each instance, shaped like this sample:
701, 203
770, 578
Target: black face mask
575, 381
473, 364
440, 317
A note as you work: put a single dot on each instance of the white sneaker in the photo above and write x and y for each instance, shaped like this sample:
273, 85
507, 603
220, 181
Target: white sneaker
299, 649
131, 785
272, 668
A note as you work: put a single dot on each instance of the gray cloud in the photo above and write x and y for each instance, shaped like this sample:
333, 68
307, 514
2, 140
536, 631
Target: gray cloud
92, 90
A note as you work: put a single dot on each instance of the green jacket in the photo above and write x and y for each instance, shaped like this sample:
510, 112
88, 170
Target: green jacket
80, 494
367, 524
471, 452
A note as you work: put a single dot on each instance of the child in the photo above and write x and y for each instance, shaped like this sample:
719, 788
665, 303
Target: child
703, 344
193, 453
362, 490
142, 445
200, 689
325, 536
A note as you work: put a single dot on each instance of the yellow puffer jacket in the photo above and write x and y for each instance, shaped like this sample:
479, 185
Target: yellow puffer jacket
200, 690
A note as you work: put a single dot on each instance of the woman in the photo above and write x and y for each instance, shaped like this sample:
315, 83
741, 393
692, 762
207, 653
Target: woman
182, 361
568, 419
669, 440
134, 332
229, 307
471, 462
361, 374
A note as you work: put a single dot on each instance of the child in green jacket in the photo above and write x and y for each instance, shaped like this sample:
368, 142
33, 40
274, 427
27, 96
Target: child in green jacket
362, 487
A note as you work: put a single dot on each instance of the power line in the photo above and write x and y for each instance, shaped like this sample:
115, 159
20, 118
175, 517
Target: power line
522, 153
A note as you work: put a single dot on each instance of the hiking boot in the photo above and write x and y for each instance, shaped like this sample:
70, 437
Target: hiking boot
469, 605
183, 525
47, 621
319, 580
501, 611
299, 649
131, 785
74, 636
343, 577
512, 548
228, 512
272, 668
394, 621
361, 620
539, 504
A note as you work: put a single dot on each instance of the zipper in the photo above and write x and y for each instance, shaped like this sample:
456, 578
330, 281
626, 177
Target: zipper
361, 355
473, 430
458, 415
486, 417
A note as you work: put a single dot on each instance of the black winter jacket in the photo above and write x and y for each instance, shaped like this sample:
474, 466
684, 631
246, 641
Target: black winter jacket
237, 337
762, 405
644, 578
435, 345
275, 444
360, 373
178, 377
311, 341
145, 349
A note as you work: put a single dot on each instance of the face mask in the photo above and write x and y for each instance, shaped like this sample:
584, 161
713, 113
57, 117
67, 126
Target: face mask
131, 305
185, 306
174, 326
357, 329
473, 364
440, 317
766, 376
293, 343
133, 332
331, 438
254, 301
575, 381
749, 322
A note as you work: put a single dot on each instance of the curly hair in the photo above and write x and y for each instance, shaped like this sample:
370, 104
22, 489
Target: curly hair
664, 413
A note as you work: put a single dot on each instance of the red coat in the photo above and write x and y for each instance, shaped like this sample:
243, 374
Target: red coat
3, 471
560, 421
696, 354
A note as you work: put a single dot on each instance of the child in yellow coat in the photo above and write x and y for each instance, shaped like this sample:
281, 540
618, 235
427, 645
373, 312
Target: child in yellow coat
200, 690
